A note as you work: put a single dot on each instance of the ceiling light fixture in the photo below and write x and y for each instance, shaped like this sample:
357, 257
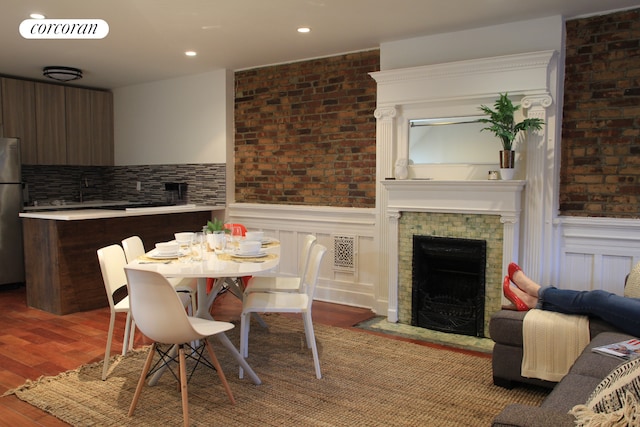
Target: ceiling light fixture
304, 30
190, 53
62, 74
37, 16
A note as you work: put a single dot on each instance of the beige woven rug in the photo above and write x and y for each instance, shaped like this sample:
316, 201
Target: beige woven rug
367, 380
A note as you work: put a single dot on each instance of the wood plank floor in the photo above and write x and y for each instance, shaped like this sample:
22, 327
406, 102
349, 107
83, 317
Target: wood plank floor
35, 343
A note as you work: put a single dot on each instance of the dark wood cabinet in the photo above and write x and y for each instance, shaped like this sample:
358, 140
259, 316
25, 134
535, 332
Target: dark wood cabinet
19, 116
56, 124
102, 128
78, 122
51, 135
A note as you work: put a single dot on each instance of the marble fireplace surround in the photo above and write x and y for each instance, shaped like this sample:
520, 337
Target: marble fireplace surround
501, 198
524, 205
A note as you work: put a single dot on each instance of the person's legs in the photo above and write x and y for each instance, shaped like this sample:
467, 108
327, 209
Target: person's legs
523, 282
529, 300
621, 312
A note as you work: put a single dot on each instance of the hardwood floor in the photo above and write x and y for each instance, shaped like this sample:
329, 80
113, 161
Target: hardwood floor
35, 343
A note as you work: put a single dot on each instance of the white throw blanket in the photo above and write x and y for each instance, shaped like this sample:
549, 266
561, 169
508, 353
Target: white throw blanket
551, 343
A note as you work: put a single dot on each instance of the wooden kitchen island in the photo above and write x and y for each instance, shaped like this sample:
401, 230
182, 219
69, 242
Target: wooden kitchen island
61, 264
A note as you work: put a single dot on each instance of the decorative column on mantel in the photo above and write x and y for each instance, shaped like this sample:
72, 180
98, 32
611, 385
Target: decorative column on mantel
385, 130
466, 197
538, 209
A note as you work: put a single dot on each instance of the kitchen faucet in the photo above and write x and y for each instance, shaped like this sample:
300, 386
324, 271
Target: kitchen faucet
84, 183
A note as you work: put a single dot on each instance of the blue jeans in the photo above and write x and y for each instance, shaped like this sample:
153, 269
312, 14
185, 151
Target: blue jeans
619, 311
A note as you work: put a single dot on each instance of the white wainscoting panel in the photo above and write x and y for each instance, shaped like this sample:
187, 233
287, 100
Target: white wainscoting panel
597, 253
290, 223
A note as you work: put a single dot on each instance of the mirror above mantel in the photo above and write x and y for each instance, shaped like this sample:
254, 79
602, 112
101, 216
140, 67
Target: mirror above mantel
451, 140
450, 148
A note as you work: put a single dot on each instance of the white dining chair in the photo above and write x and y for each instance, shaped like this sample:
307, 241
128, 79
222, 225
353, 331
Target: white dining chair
286, 302
112, 261
160, 316
281, 283
134, 248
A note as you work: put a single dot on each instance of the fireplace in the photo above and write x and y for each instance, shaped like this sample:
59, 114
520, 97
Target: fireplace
448, 284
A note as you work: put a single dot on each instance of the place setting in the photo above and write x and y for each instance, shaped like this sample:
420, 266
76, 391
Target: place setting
164, 253
247, 251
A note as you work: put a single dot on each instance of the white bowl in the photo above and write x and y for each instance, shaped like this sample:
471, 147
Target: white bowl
167, 248
254, 235
250, 247
184, 238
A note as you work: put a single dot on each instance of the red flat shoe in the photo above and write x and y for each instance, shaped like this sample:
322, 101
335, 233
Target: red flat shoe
511, 296
513, 267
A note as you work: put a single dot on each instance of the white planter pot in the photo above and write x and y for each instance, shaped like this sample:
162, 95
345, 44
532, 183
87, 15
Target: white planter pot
507, 173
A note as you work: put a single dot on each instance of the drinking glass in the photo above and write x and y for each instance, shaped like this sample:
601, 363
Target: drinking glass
236, 235
219, 240
199, 246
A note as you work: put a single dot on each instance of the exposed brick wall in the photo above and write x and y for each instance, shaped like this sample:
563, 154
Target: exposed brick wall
600, 173
305, 132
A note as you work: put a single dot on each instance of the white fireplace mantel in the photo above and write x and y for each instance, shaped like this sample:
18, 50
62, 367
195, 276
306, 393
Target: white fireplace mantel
501, 198
456, 90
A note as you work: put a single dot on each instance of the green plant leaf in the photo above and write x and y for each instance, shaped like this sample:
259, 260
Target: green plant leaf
501, 119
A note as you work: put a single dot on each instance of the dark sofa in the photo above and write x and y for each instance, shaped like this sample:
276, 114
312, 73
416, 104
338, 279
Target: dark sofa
505, 329
575, 388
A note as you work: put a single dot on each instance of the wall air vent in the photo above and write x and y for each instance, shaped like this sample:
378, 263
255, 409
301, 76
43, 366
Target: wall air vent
344, 253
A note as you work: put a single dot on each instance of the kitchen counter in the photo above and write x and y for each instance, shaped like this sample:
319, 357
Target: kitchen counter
61, 264
95, 213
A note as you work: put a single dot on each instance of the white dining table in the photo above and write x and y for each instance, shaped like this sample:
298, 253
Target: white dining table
222, 268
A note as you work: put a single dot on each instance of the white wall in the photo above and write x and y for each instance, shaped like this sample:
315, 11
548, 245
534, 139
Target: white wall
506, 39
176, 121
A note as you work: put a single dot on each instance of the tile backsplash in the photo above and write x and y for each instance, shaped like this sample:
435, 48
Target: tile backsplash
206, 182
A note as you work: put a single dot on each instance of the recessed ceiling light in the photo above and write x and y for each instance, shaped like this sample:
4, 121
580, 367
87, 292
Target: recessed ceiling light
190, 53
304, 30
37, 16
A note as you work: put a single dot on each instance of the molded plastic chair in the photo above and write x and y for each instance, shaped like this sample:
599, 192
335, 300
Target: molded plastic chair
286, 302
134, 248
160, 316
284, 283
112, 261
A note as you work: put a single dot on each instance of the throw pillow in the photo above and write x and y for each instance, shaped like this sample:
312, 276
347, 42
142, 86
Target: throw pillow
632, 285
628, 416
617, 396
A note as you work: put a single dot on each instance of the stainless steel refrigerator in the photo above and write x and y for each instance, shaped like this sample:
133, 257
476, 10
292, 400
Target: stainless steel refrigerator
11, 252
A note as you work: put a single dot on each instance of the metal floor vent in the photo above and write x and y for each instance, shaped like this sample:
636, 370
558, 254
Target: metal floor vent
344, 257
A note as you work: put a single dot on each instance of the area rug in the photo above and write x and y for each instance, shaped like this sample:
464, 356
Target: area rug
367, 380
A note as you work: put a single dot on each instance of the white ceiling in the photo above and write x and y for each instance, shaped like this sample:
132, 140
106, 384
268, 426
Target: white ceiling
147, 38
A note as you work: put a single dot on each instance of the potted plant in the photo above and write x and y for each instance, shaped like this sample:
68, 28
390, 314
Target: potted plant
217, 234
502, 124
216, 225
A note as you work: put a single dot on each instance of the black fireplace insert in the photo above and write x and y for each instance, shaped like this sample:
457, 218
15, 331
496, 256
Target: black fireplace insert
448, 289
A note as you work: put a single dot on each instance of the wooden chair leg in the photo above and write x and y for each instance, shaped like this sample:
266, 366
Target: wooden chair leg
143, 376
223, 379
183, 386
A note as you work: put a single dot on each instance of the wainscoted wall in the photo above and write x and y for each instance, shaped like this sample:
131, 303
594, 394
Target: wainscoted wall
596, 253
206, 182
349, 269
481, 227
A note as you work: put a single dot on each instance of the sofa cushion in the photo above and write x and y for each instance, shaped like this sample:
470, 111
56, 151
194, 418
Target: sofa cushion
594, 364
571, 391
506, 327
